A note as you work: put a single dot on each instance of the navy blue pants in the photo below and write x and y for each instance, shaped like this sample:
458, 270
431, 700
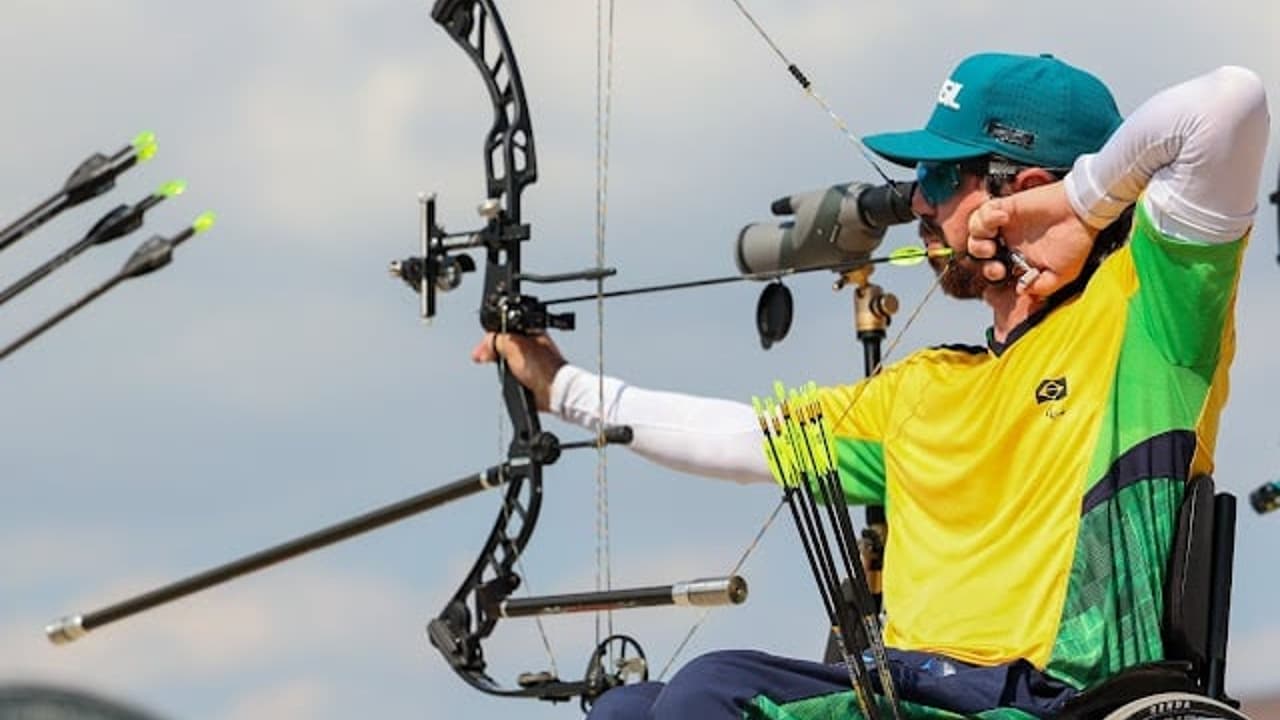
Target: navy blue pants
722, 684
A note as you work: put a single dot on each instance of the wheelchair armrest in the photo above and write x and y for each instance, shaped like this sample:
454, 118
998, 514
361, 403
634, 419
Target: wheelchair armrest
1136, 682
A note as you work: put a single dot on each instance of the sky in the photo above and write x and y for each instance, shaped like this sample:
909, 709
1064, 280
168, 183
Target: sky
274, 379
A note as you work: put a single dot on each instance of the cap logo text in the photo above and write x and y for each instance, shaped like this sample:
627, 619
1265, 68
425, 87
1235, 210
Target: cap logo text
1011, 135
949, 94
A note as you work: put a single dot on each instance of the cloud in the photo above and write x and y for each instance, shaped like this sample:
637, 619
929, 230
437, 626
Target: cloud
250, 633
300, 699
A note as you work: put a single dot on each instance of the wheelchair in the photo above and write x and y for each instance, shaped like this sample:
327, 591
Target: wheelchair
1190, 682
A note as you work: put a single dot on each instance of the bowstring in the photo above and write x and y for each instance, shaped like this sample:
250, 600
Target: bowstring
604, 114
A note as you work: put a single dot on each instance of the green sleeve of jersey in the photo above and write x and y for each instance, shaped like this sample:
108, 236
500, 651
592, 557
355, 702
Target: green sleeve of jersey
1186, 289
857, 415
861, 471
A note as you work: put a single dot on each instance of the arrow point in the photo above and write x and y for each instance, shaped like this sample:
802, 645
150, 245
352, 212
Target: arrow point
204, 221
172, 188
144, 144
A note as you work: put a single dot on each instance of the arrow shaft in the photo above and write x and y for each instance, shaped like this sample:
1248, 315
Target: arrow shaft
38, 216
43, 271
61, 315
723, 280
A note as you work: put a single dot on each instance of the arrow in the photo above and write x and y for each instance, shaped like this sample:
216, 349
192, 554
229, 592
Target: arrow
902, 257
94, 176
150, 256
121, 221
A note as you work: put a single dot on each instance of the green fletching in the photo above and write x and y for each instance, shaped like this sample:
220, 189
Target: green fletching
907, 256
144, 144
769, 458
204, 221
786, 454
172, 188
795, 435
770, 453
820, 449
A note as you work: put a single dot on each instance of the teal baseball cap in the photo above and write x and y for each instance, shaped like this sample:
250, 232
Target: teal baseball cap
1030, 109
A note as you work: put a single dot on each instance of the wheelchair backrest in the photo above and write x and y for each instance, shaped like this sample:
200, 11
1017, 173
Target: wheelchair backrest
1198, 589
1187, 587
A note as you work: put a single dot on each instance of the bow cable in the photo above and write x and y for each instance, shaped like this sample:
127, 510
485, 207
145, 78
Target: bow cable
742, 560
809, 90
843, 127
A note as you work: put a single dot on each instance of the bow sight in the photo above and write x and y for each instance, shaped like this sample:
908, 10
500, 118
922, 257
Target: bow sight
441, 267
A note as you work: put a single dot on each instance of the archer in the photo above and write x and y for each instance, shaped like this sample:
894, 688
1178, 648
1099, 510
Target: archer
1031, 483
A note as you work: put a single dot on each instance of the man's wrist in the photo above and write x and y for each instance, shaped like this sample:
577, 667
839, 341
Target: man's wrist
561, 384
1090, 201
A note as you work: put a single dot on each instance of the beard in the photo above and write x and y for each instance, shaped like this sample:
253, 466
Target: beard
959, 276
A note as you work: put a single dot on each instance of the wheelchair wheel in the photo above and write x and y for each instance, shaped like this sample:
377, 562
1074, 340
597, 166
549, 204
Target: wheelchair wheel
44, 702
1176, 706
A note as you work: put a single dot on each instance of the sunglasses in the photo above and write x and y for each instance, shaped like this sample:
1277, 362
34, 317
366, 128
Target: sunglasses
940, 181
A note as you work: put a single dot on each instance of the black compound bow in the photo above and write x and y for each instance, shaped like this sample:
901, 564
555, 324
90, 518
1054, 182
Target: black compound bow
484, 596
510, 167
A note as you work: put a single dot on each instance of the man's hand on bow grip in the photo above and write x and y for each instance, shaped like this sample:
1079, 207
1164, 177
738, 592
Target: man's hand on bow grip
533, 360
1039, 223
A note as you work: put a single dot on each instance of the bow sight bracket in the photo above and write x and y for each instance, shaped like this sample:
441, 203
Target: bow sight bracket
443, 263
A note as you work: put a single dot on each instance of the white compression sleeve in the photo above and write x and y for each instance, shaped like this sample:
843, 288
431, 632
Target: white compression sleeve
1197, 150
702, 436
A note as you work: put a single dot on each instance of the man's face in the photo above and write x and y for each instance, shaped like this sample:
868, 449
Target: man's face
947, 223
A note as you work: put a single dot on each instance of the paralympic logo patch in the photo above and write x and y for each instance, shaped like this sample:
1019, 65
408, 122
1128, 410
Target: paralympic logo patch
1051, 389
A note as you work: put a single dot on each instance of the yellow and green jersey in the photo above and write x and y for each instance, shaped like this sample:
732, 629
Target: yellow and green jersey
1032, 488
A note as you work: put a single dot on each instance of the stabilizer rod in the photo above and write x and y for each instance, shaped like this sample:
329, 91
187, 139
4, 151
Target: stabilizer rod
709, 592
73, 627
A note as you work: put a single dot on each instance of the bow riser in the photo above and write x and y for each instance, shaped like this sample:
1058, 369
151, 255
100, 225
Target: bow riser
510, 166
